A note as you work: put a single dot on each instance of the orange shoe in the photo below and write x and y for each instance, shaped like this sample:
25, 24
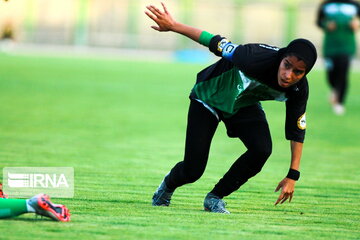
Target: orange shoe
2, 194
44, 207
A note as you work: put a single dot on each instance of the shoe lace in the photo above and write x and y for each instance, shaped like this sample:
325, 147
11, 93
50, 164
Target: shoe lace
165, 196
218, 204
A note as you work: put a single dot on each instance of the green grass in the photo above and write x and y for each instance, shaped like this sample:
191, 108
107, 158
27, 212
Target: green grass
121, 125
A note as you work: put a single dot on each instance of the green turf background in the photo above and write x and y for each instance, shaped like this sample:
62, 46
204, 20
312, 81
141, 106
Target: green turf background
121, 125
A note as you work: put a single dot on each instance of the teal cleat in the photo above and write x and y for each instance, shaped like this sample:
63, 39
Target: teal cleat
162, 196
213, 203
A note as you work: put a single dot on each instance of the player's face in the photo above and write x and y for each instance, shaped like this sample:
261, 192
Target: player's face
291, 70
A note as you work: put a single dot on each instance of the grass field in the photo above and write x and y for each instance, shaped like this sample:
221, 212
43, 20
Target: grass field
121, 125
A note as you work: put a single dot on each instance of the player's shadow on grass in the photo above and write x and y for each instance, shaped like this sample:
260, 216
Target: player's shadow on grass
27, 219
124, 201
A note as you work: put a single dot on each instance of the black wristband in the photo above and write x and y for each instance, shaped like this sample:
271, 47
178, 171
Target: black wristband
214, 45
293, 174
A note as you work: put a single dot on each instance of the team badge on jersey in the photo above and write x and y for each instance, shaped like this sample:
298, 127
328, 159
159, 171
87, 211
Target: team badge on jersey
301, 122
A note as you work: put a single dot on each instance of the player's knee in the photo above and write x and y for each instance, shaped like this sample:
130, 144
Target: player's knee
193, 176
255, 168
251, 170
262, 152
265, 152
259, 156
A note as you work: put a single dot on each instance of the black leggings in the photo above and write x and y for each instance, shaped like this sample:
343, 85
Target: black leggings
249, 125
337, 74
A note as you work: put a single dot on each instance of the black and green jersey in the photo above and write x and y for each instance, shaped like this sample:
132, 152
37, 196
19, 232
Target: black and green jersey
342, 39
249, 77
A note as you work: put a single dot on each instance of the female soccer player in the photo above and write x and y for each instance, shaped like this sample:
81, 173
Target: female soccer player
339, 19
230, 91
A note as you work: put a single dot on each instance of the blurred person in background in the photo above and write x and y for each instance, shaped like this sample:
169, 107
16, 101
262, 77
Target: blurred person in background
339, 19
230, 91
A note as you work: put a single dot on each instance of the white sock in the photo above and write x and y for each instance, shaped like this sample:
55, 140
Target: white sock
29, 207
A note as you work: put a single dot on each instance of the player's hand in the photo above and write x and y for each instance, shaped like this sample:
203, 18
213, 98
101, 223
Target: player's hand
164, 20
287, 187
354, 24
331, 26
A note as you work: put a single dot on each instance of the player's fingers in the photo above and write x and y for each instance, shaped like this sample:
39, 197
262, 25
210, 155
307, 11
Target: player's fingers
156, 11
150, 15
284, 199
279, 199
165, 9
277, 188
291, 196
152, 9
155, 20
156, 28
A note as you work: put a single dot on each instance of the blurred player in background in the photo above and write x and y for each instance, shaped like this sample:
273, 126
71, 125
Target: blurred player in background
340, 20
230, 91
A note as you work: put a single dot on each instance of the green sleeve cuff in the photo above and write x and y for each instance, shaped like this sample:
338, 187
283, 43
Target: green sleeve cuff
205, 38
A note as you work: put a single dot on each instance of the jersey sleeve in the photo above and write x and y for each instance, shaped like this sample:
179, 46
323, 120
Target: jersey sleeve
249, 58
295, 123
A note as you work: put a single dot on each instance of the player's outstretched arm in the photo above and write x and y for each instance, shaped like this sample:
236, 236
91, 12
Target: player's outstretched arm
218, 45
165, 23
